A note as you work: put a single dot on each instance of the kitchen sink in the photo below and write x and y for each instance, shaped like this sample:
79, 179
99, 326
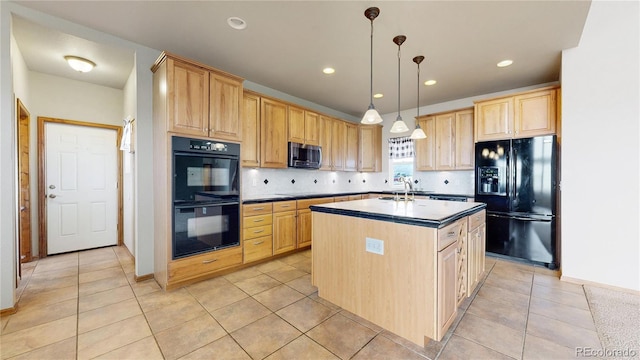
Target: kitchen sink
400, 198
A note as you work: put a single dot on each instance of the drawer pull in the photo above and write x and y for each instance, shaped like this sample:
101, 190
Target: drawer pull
258, 242
209, 261
258, 231
258, 220
260, 208
451, 233
285, 206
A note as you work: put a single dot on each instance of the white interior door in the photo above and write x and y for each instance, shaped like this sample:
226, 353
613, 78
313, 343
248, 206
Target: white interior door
81, 187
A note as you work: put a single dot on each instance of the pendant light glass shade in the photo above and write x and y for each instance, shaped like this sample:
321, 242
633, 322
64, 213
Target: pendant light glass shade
418, 133
371, 116
399, 126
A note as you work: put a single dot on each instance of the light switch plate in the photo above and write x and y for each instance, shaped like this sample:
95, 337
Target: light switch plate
374, 246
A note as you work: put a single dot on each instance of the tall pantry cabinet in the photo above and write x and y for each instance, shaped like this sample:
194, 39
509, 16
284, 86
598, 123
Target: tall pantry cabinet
193, 100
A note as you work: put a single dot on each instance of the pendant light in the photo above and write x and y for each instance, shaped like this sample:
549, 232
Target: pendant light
418, 133
371, 116
399, 126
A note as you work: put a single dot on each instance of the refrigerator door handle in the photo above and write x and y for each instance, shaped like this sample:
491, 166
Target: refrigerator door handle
530, 219
521, 218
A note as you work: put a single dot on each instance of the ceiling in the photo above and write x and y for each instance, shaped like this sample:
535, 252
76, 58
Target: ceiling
287, 44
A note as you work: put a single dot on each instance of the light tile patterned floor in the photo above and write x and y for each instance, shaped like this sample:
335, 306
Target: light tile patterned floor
86, 305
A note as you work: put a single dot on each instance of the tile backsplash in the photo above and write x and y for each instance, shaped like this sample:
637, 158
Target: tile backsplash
293, 181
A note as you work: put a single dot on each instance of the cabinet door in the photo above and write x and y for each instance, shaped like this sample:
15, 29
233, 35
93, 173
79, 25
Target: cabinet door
273, 134
284, 231
351, 153
311, 136
304, 228
447, 290
370, 148
296, 124
535, 114
445, 141
187, 98
250, 130
325, 129
425, 148
464, 150
338, 144
224, 108
494, 119
463, 263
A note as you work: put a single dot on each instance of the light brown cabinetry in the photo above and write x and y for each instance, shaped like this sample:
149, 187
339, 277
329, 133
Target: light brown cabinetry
351, 149
250, 130
520, 115
304, 219
284, 226
225, 98
370, 148
325, 131
303, 126
257, 230
449, 143
273, 134
338, 144
475, 250
447, 290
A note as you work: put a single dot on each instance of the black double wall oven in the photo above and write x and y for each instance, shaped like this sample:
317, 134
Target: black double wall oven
206, 196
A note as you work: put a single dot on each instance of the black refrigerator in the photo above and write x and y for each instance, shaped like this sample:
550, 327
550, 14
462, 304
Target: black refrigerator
517, 179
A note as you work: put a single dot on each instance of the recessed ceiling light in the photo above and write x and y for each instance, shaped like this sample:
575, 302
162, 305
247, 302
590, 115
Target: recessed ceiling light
378, 95
505, 63
430, 82
328, 70
237, 23
80, 64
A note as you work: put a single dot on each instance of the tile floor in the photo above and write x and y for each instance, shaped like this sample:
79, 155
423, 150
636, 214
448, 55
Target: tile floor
86, 305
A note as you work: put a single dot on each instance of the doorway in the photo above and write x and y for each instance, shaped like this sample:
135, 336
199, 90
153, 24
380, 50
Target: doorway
24, 194
79, 183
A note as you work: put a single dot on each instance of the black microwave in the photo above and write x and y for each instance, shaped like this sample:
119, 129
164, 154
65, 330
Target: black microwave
304, 156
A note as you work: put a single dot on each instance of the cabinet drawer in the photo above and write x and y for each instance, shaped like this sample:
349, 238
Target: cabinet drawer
257, 209
341, 198
257, 231
257, 220
477, 219
306, 203
450, 233
258, 248
284, 206
201, 264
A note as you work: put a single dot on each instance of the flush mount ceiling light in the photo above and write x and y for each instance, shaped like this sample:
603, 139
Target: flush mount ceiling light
328, 70
430, 82
80, 64
371, 116
377, 96
399, 126
418, 133
237, 23
504, 63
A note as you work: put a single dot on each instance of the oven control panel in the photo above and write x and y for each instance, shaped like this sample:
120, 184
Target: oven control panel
208, 145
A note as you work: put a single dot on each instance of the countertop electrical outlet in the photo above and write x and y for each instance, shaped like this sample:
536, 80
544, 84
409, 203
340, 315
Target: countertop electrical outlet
375, 246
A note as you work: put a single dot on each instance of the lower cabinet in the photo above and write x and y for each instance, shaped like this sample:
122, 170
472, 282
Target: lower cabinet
304, 228
475, 250
284, 226
447, 289
197, 266
257, 230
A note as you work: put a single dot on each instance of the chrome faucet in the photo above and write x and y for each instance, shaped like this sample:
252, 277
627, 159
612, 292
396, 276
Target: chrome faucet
407, 181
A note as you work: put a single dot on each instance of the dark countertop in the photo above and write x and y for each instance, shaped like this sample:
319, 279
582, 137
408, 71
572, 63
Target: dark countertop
256, 199
419, 212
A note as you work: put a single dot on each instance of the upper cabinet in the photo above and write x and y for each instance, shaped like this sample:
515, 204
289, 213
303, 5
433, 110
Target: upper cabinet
370, 148
200, 100
273, 133
338, 144
521, 115
449, 142
250, 130
351, 147
303, 126
325, 131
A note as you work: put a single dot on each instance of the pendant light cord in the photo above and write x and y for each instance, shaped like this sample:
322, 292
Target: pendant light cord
398, 118
371, 72
418, 98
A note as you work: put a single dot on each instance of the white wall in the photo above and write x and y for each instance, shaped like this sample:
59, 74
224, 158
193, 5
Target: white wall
600, 151
128, 169
57, 97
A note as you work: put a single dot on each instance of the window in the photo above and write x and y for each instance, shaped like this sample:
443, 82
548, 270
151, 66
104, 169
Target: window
400, 160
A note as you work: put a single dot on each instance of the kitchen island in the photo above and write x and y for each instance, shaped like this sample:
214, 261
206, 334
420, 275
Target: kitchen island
403, 265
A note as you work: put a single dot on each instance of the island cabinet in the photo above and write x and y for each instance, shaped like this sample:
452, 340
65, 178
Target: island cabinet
370, 148
257, 230
521, 115
303, 126
475, 250
284, 226
273, 133
396, 264
200, 100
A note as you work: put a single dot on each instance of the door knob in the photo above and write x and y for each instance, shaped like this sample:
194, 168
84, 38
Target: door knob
52, 186
52, 196
23, 208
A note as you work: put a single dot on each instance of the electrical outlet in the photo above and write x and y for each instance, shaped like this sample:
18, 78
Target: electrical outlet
374, 246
